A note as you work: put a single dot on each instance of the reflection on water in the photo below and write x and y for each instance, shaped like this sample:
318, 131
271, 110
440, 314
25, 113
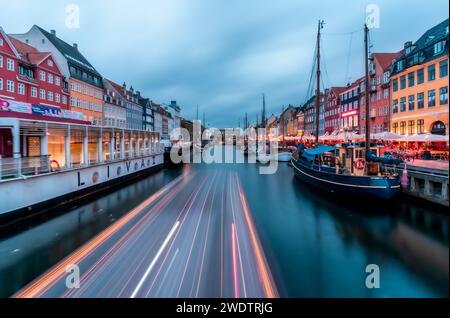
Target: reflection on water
316, 245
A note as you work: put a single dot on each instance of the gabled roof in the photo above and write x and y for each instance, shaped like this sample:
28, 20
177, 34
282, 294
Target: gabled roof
71, 53
28, 53
8, 40
385, 59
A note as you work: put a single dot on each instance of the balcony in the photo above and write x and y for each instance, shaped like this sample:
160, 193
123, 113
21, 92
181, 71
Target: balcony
373, 113
28, 79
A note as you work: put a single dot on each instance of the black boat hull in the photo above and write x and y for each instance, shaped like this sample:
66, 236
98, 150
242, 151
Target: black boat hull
379, 188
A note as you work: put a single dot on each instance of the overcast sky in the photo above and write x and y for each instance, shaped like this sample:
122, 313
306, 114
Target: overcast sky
222, 54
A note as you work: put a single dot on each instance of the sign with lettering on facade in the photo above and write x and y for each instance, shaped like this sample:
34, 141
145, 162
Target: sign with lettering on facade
13, 106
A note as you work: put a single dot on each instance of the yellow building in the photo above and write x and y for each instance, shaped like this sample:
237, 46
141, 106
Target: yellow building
419, 85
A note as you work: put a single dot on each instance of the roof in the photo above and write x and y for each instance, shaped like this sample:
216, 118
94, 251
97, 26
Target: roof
311, 153
28, 53
71, 53
385, 59
433, 35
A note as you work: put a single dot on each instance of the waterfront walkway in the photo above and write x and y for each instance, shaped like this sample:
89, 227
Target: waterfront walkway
432, 164
193, 238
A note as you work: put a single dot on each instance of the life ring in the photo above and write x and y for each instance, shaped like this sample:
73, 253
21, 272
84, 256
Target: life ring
58, 167
359, 164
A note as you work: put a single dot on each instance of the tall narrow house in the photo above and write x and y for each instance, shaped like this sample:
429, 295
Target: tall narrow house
80, 77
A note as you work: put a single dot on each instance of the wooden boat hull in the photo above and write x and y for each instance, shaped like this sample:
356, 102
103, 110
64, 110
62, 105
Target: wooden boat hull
380, 188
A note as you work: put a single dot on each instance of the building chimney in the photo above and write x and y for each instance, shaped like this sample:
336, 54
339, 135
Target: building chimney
53, 32
75, 45
408, 44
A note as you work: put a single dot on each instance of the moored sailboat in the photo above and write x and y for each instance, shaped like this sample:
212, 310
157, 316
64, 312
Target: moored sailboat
352, 169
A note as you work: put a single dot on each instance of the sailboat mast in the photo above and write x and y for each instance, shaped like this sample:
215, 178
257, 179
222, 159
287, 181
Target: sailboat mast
367, 91
319, 27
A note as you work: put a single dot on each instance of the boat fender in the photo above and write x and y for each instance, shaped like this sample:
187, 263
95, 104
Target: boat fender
359, 164
56, 163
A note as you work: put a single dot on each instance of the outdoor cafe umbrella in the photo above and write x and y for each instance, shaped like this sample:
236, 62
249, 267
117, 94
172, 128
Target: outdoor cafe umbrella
386, 136
425, 138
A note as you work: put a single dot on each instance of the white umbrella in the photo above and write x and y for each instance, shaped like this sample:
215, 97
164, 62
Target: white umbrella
386, 136
425, 138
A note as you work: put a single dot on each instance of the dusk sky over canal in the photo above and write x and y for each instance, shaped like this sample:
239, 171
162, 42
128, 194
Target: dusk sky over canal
223, 54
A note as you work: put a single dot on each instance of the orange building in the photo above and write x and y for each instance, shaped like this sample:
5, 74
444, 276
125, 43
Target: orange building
419, 85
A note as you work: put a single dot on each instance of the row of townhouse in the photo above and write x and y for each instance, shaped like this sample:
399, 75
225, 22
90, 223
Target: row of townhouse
40, 74
408, 93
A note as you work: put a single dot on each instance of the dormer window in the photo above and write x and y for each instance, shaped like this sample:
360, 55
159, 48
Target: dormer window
439, 47
50, 63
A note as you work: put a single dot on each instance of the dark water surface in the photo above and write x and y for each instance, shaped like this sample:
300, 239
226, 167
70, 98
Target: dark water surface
316, 245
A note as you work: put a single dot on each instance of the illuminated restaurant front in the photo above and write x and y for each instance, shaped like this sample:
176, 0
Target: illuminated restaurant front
70, 145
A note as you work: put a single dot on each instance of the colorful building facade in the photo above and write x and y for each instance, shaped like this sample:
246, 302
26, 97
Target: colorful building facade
332, 109
380, 102
350, 106
84, 82
419, 85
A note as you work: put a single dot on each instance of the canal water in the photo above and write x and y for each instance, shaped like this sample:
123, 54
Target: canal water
316, 245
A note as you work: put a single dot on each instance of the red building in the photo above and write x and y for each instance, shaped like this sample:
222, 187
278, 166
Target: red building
379, 93
30, 81
332, 109
31, 87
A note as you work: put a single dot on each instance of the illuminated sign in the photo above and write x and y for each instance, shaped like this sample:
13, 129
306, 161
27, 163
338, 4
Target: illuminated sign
354, 112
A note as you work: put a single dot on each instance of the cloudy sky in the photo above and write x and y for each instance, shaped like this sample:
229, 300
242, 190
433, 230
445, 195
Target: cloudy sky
222, 55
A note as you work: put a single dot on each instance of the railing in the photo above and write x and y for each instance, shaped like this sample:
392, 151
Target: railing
11, 168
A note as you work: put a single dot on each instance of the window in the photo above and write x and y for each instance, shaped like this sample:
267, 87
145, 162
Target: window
386, 77
42, 76
443, 68
10, 86
402, 104
431, 72
78, 87
431, 98
443, 96
34, 92
78, 102
72, 101
50, 96
21, 89
403, 82
57, 81
395, 85
395, 128
1, 61
10, 64
57, 98
1, 42
402, 127
420, 103
420, 126
411, 127
64, 100
411, 102
42, 94
386, 93
50, 78
49, 62
85, 104
411, 79
84, 90
72, 86
1, 84
400, 65
395, 106
438, 47
420, 76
